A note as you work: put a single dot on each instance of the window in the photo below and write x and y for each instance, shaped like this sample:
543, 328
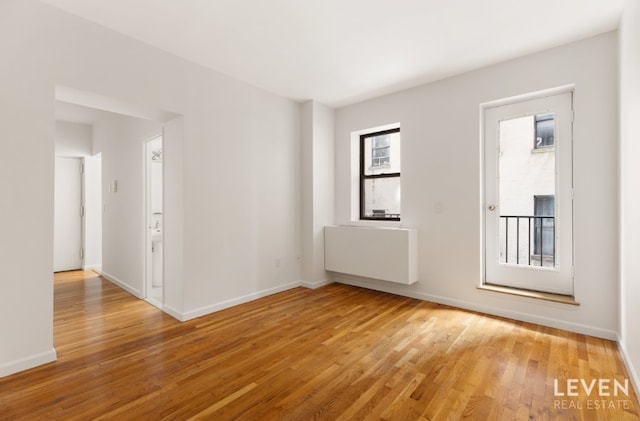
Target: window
380, 146
544, 226
544, 131
380, 175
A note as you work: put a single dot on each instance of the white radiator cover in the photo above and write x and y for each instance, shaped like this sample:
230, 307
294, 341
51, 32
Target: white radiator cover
389, 254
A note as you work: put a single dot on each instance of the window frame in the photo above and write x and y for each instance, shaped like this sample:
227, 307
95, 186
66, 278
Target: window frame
364, 176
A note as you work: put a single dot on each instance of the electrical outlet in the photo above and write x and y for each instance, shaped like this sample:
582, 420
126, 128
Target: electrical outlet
278, 262
298, 258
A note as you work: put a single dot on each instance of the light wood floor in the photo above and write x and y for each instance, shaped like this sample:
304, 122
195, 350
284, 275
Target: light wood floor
335, 353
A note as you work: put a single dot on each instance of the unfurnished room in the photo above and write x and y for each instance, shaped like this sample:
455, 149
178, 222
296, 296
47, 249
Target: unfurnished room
329, 210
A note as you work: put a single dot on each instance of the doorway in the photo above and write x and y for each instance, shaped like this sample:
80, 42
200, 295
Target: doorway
528, 186
154, 210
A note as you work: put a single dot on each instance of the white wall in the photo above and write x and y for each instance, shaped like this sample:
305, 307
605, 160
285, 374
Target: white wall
26, 209
73, 139
120, 141
93, 212
318, 169
630, 187
324, 183
238, 178
241, 195
441, 180
172, 218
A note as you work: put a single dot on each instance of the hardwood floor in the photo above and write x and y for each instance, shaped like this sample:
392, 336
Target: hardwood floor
335, 353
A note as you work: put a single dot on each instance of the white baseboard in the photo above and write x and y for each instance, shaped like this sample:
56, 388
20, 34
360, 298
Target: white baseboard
631, 369
515, 315
27, 362
199, 312
316, 284
97, 268
203, 311
155, 302
123, 285
178, 315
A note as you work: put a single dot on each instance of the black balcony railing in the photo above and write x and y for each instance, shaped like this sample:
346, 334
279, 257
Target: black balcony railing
528, 240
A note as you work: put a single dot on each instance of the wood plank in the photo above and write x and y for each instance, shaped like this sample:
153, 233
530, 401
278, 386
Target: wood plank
337, 352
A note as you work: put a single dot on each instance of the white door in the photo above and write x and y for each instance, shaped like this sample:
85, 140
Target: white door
67, 232
528, 194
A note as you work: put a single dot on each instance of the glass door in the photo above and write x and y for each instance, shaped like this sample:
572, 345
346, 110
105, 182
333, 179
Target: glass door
528, 194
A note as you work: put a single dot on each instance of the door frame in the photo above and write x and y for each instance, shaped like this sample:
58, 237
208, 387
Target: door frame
148, 263
484, 108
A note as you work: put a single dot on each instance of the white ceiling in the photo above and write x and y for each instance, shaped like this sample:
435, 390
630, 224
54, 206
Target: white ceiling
78, 114
342, 51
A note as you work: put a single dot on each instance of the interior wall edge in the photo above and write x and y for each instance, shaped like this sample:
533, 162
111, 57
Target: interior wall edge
203, 311
28, 362
317, 284
173, 312
134, 291
635, 376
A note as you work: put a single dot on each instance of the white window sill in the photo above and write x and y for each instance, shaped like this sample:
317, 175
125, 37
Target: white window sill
556, 298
